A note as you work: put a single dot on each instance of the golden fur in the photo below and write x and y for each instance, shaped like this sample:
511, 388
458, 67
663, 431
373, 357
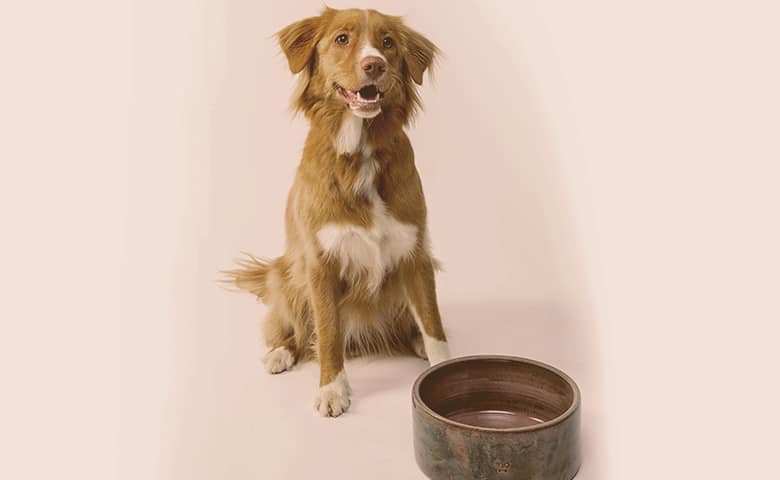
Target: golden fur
319, 304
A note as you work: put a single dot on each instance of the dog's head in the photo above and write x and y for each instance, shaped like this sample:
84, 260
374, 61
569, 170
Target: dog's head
360, 61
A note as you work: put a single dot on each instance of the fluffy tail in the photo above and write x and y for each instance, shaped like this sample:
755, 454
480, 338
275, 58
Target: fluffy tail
250, 276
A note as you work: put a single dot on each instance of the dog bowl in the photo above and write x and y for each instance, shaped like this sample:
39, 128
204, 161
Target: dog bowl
496, 417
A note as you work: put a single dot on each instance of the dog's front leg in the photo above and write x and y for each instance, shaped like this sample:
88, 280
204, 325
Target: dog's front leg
421, 293
333, 398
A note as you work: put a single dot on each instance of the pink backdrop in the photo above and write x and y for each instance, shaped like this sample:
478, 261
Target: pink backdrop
602, 185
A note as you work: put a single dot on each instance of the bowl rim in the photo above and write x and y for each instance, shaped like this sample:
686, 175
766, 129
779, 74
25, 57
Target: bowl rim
418, 402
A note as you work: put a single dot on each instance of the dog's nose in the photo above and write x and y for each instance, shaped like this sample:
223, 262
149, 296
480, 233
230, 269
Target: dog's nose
374, 67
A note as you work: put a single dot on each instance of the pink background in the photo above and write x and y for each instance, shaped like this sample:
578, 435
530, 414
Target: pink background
602, 181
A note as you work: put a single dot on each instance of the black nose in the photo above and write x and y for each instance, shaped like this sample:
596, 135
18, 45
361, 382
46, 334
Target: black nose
373, 66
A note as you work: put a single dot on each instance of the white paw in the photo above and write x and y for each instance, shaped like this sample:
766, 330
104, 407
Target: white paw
278, 360
333, 399
419, 348
437, 350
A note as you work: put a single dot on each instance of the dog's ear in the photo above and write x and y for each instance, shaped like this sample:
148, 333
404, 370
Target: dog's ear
298, 41
419, 53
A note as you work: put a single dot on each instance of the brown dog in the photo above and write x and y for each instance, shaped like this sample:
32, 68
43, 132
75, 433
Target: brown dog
357, 275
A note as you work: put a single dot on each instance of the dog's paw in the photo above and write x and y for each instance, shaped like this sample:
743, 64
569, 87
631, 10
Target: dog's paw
278, 360
333, 399
418, 345
437, 350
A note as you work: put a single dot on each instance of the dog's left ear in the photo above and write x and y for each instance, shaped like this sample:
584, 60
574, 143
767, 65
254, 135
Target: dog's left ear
298, 41
419, 53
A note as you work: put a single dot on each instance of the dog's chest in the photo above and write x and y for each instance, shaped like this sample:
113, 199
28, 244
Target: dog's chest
367, 254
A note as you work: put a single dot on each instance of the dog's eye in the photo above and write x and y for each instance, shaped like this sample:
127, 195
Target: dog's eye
342, 39
387, 42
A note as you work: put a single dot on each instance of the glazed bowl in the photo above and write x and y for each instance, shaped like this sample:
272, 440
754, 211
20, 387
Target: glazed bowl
496, 417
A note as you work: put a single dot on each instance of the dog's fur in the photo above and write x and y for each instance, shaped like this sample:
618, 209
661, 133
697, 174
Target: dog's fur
357, 275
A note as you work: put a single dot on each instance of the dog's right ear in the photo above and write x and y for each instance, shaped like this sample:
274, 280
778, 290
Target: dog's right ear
298, 41
419, 53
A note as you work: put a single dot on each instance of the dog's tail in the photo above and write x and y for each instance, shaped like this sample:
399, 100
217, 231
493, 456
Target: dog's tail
251, 275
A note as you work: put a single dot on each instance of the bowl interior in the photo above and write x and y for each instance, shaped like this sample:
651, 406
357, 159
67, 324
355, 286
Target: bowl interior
496, 392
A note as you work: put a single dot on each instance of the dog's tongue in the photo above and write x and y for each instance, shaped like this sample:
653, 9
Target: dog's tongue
369, 92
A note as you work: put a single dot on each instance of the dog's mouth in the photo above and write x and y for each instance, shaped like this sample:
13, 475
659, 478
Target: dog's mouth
366, 100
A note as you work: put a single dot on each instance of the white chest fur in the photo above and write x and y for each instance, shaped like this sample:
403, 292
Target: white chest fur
368, 254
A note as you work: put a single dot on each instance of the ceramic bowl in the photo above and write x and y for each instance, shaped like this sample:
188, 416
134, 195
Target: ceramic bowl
496, 417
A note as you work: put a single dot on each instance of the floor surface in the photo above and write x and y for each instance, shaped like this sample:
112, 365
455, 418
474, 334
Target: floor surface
256, 425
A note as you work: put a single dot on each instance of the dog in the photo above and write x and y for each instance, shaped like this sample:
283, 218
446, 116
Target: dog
357, 274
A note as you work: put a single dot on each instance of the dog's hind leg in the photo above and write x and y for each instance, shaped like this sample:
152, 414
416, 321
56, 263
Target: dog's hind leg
279, 337
278, 328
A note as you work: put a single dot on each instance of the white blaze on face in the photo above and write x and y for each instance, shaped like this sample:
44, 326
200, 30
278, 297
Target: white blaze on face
367, 49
